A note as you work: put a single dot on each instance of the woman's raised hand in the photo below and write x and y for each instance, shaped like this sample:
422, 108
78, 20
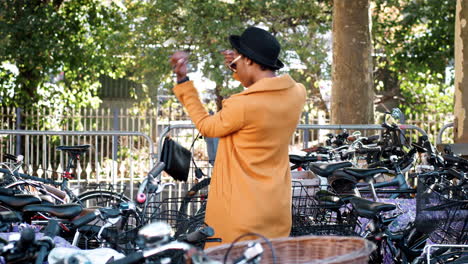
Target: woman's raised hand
179, 62
228, 56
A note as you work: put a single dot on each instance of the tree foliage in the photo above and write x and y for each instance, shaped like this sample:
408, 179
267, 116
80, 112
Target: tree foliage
202, 27
53, 52
77, 41
414, 47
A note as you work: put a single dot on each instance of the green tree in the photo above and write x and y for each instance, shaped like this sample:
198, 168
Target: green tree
414, 46
202, 27
53, 52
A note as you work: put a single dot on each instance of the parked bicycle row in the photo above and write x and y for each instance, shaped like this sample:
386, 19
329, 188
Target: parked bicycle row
406, 198
330, 196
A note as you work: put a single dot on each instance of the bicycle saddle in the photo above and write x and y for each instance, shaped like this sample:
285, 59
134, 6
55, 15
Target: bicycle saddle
363, 174
298, 160
330, 202
369, 209
342, 182
19, 200
326, 169
75, 149
64, 211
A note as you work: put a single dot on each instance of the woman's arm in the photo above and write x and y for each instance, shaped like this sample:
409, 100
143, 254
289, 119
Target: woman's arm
230, 119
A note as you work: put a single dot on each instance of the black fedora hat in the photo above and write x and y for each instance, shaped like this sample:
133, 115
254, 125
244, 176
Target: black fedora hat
258, 45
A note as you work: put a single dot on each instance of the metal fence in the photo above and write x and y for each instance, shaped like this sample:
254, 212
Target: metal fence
127, 157
90, 170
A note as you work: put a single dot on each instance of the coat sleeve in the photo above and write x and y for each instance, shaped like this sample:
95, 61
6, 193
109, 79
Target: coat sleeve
229, 120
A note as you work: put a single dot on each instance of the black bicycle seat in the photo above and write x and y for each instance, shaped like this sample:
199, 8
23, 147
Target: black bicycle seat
298, 160
19, 200
64, 211
330, 202
369, 209
326, 169
363, 174
74, 149
342, 182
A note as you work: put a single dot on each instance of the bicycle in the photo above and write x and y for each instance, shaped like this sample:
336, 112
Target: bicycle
28, 249
48, 187
442, 212
132, 215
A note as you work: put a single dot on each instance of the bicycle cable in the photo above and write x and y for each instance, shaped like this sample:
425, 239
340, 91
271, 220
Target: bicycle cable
198, 172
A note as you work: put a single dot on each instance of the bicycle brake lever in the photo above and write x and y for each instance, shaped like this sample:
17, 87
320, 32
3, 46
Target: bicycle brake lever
109, 222
162, 186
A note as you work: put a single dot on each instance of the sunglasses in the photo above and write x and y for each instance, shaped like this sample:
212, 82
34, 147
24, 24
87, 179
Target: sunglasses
232, 66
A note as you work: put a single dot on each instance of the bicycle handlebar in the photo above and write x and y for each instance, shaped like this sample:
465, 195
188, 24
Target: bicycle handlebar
199, 235
455, 159
46, 242
401, 162
27, 238
156, 170
27, 248
136, 257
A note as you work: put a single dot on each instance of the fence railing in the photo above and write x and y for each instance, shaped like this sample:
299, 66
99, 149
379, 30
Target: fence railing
119, 163
130, 154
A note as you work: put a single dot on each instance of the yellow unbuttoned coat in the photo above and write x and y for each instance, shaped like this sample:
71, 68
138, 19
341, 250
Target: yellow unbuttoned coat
250, 188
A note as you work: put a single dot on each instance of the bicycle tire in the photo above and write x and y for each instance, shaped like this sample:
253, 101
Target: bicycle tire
122, 236
107, 198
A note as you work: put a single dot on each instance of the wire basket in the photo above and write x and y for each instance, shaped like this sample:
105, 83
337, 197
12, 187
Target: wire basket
442, 211
168, 211
315, 215
305, 249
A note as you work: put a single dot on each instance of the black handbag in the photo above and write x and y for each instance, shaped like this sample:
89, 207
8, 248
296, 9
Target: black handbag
176, 159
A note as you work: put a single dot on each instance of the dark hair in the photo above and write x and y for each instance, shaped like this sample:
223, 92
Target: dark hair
265, 68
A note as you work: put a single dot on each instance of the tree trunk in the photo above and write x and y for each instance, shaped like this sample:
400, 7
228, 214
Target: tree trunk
219, 98
461, 73
352, 87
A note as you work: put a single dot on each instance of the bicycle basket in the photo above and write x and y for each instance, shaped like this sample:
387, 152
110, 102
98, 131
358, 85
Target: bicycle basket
441, 211
168, 211
305, 249
320, 215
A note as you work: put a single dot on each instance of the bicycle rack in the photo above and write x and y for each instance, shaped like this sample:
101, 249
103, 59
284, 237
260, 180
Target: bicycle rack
457, 148
427, 249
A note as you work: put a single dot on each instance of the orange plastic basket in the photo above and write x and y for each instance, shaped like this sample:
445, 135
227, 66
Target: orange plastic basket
305, 249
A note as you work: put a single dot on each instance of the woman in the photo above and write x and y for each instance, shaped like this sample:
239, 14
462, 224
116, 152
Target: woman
250, 188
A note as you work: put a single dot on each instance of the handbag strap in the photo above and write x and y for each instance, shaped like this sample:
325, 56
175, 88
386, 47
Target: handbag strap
198, 172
